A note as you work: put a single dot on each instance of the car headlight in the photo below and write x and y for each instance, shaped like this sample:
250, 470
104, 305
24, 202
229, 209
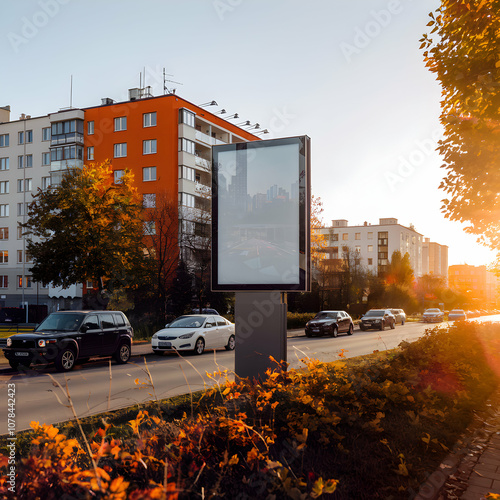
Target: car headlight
44, 343
9, 342
187, 335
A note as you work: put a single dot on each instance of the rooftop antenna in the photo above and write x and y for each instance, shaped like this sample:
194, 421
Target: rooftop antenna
166, 90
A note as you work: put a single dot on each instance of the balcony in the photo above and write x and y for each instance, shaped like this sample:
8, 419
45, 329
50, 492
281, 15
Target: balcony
202, 189
202, 163
72, 138
206, 139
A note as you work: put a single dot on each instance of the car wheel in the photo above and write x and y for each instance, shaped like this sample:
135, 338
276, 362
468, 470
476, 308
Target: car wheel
382, 326
362, 328
122, 354
231, 343
351, 330
393, 325
199, 347
335, 331
66, 360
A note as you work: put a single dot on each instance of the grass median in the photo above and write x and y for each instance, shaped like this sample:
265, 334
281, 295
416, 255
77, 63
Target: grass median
365, 428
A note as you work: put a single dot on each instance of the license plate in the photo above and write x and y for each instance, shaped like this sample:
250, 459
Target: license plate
22, 353
165, 344
315, 329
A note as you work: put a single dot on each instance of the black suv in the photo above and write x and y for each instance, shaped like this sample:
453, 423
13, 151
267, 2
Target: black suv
65, 336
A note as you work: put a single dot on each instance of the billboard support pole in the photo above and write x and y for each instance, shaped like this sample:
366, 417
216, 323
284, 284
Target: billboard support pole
260, 322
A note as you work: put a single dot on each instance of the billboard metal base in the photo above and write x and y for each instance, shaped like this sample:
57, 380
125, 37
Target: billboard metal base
260, 319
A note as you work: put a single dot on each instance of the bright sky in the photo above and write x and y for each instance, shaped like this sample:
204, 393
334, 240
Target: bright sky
349, 74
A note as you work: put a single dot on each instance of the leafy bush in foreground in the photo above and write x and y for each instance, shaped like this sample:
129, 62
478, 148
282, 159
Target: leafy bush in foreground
367, 428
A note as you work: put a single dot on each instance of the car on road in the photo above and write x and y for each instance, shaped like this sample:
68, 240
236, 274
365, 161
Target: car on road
456, 315
433, 315
205, 310
330, 323
195, 333
64, 337
377, 318
400, 315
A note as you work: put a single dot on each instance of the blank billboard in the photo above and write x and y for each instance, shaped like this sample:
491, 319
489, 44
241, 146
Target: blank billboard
260, 215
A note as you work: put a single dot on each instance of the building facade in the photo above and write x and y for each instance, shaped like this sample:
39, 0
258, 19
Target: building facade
374, 244
481, 286
435, 259
165, 141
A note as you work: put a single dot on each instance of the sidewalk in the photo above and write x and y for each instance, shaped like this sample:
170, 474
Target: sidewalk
472, 470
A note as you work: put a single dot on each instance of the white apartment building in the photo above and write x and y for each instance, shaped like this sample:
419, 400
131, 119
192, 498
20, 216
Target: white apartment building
435, 259
375, 243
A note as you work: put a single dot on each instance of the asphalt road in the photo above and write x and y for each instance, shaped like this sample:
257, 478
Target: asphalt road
94, 388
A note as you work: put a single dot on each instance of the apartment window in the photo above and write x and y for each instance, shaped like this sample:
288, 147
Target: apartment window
90, 128
20, 162
4, 164
149, 174
186, 145
186, 117
370, 262
24, 185
370, 236
357, 249
345, 236
45, 182
4, 282
46, 134
4, 210
357, 236
20, 233
19, 256
20, 137
4, 233
27, 281
4, 140
45, 158
186, 173
29, 136
335, 237
4, 256
187, 200
149, 119
149, 200
149, 147
149, 228
22, 209
117, 176
29, 161
4, 187
120, 150
120, 123
67, 153
90, 153
370, 248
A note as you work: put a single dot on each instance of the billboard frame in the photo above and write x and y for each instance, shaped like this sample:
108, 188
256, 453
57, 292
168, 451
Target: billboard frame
304, 227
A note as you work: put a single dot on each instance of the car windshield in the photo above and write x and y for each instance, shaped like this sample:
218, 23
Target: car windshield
375, 313
60, 322
186, 322
457, 311
433, 311
326, 315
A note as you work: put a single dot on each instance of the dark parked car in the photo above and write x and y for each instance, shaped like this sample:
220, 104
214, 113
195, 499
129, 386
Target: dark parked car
330, 323
377, 318
66, 336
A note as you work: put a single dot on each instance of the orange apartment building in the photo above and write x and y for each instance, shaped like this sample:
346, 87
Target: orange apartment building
476, 282
165, 141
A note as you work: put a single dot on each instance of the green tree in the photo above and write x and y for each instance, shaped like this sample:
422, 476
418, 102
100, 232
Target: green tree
462, 50
400, 271
86, 228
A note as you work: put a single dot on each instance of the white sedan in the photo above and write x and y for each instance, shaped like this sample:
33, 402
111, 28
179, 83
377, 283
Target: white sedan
195, 332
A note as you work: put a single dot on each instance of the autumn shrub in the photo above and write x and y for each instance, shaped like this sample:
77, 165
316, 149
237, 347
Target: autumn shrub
366, 428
